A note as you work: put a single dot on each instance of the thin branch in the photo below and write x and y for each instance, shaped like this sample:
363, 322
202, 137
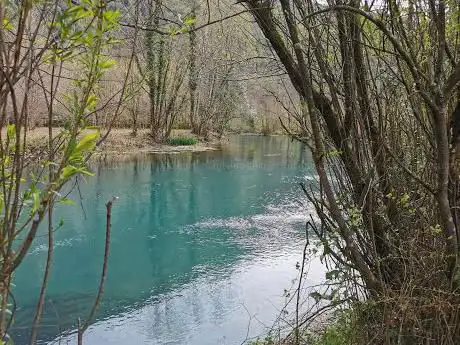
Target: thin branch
100, 291
158, 31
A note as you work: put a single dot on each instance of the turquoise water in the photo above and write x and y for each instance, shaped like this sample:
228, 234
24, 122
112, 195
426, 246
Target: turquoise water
203, 246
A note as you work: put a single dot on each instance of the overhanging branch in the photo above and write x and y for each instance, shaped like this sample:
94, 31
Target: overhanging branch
161, 32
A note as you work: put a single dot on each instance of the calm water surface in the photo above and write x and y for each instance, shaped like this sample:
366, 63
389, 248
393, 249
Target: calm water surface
203, 246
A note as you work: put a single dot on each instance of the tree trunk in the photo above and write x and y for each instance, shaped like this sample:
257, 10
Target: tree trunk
193, 76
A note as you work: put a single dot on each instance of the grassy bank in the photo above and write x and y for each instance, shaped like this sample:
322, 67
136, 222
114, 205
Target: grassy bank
121, 142
342, 327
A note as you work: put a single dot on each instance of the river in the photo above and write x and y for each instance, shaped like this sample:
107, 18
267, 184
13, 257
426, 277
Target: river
203, 246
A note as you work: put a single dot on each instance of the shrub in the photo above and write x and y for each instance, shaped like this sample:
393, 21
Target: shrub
265, 341
340, 332
182, 141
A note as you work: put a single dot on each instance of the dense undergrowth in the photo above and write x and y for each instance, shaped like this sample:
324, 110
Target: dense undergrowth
342, 331
380, 112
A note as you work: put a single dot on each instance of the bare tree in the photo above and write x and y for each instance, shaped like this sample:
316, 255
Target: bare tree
378, 91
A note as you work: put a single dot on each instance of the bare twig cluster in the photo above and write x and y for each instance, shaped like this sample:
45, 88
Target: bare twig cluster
378, 85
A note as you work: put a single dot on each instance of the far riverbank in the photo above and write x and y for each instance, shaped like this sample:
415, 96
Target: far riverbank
121, 141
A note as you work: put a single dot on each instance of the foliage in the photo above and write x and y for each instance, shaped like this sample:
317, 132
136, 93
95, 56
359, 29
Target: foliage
265, 341
78, 34
379, 89
182, 141
342, 331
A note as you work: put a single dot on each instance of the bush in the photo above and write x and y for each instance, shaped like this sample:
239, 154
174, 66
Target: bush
266, 341
182, 141
340, 332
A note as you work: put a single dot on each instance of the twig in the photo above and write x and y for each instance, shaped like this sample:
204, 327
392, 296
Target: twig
158, 31
410, 173
49, 260
97, 301
249, 325
304, 254
13, 311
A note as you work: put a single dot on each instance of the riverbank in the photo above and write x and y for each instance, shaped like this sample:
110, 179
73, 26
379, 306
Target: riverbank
122, 142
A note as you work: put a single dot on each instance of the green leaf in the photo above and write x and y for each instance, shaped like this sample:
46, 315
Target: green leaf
405, 199
316, 296
68, 172
7, 24
67, 201
86, 172
173, 31
333, 274
11, 131
189, 21
88, 142
111, 17
107, 63
36, 198
334, 153
91, 102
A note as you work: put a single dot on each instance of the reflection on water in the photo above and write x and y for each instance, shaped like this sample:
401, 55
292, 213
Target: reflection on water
201, 242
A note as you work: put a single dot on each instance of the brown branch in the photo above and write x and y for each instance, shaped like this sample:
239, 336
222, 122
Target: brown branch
297, 307
46, 275
161, 32
451, 82
416, 73
100, 291
409, 172
25, 245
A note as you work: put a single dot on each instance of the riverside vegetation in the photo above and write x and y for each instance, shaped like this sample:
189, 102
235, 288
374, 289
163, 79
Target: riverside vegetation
372, 88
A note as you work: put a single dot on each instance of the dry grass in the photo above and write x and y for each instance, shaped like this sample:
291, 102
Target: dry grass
122, 142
